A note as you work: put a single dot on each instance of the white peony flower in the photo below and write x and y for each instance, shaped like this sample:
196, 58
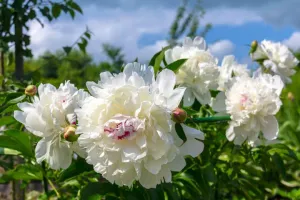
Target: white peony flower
229, 70
47, 117
252, 104
126, 127
278, 59
199, 73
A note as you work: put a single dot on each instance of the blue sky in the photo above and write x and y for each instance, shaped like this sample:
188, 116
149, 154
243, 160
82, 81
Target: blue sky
141, 27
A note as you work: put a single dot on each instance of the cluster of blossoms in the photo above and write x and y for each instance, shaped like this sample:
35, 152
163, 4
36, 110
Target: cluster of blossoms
125, 125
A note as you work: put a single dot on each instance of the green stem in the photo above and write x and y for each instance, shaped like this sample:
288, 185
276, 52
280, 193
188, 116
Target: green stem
54, 188
45, 181
208, 119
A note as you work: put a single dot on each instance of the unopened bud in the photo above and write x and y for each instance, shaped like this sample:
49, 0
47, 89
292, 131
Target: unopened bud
291, 96
179, 115
70, 135
253, 46
31, 90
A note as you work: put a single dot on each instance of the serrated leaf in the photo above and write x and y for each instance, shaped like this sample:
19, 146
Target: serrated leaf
174, 66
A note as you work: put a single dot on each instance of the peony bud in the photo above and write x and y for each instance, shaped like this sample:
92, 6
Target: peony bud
179, 115
291, 96
70, 135
31, 90
253, 46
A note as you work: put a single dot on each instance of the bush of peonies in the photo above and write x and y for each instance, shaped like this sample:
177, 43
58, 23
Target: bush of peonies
128, 125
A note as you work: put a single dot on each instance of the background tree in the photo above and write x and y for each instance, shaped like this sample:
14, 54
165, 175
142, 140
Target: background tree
115, 55
187, 22
15, 16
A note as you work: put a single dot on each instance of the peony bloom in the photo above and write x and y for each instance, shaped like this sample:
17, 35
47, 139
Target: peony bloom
47, 117
199, 73
277, 59
252, 104
229, 70
126, 127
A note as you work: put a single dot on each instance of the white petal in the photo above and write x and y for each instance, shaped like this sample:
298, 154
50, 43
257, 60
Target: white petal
166, 81
93, 88
218, 104
187, 42
41, 150
175, 98
192, 147
188, 98
230, 133
136, 80
177, 164
169, 56
228, 60
270, 129
45, 88
192, 132
78, 150
239, 140
200, 43
19, 116
203, 98
105, 77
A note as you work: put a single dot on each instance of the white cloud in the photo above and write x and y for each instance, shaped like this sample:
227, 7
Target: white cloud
114, 26
221, 48
293, 42
230, 16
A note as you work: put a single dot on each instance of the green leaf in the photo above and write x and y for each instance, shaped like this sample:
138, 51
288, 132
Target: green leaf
174, 66
76, 7
16, 100
159, 59
23, 172
88, 35
56, 10
17, 140
78, 167
12, 96
67, 49
277, 160
180, 132
152, 61
96, 191
6, 120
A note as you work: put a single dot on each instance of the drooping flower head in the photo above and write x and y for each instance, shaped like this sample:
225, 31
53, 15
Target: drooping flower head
47, 117
277, 59
252, 104
199, 73
126, 127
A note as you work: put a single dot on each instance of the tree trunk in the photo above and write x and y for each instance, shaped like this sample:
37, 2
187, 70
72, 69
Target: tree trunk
19, 61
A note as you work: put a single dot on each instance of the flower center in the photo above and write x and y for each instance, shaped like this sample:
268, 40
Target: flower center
123, 127
243, 101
